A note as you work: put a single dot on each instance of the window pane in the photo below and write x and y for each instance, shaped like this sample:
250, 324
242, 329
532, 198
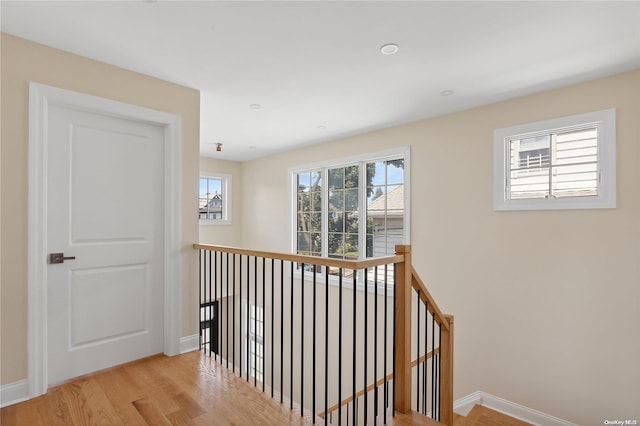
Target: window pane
351, 223
351, 246
385, 209
316, 201
351, 199
336, 178
210, 202
395, 171
304, 242
315, 220
304, 182
316, 181
529, 184
336, 200
376, 173
303, 222
303, 202
351, 176
572, 180
336, 245
336, 222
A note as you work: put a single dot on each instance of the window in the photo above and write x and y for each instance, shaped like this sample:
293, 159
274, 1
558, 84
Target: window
351, 209
215, 200
256, 342
566, 163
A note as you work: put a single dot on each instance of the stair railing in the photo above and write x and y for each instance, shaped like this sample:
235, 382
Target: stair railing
331, 338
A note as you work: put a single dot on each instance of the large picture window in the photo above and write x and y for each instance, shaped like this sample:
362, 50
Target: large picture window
351, 209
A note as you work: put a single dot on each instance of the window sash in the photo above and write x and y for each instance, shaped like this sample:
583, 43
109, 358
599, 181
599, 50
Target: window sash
581, 174
339, 200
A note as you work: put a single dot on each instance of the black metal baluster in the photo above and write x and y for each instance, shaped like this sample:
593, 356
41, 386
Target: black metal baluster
354, 347
281, 330
201, 256
385, 344
326, 344
291, 343
210, 324
264, 375
340, 349
424, 363
227, 313
366, 303
395, 314
418, 364
301, 342
313, 370
248, 323
255, 321
375, 344
433, 366
273, 305
215, 289
439, 369
240, 317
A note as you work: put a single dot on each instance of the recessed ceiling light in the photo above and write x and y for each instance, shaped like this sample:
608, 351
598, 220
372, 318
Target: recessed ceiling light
447, 92
389, 49
253, 147
255, 106
322, 127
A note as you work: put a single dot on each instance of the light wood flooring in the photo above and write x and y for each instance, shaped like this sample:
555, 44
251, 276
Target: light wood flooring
189, 389
483, 416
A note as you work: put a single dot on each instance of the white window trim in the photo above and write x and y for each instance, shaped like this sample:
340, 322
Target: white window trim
606, 198
404, 151
226, 199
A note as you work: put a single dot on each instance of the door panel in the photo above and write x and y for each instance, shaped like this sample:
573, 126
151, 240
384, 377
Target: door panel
119, 289
105, 207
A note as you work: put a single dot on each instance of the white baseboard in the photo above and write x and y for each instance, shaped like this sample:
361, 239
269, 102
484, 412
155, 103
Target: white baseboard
12, 393
189, 343
462, 406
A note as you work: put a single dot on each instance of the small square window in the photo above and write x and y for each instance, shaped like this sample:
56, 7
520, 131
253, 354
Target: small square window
566, 163
214, 200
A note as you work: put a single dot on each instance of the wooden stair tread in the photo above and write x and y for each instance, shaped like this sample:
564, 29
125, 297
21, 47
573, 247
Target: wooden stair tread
483, 416
412, 418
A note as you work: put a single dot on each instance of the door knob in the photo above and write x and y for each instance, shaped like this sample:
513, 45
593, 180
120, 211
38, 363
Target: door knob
59, 257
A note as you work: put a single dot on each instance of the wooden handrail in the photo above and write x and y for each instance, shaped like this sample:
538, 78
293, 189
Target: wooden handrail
378, 383
310, 260
425, 296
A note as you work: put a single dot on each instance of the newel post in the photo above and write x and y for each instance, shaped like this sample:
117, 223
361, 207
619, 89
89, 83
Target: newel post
402, 375
446, 350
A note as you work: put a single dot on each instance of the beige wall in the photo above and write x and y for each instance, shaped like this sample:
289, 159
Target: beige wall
547, 303
22, 62
224, 235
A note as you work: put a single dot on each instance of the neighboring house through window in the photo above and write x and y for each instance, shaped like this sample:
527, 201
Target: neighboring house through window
214, 199
565, 163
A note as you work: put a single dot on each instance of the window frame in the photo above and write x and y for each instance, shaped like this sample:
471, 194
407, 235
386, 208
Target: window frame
257, 340
225, 188
395, 153
604, 120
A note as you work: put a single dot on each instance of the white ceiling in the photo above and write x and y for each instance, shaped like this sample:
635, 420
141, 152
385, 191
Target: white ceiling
316, 69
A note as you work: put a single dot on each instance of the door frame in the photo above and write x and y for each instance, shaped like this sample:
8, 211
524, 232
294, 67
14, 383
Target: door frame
41, 97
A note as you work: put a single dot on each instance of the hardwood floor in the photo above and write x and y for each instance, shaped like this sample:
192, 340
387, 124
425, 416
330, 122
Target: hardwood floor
483, 416
189, 389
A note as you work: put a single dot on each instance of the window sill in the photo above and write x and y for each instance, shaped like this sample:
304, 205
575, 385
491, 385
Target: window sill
215, 222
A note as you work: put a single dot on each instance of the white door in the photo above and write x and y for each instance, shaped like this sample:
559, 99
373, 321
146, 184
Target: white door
105, 207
